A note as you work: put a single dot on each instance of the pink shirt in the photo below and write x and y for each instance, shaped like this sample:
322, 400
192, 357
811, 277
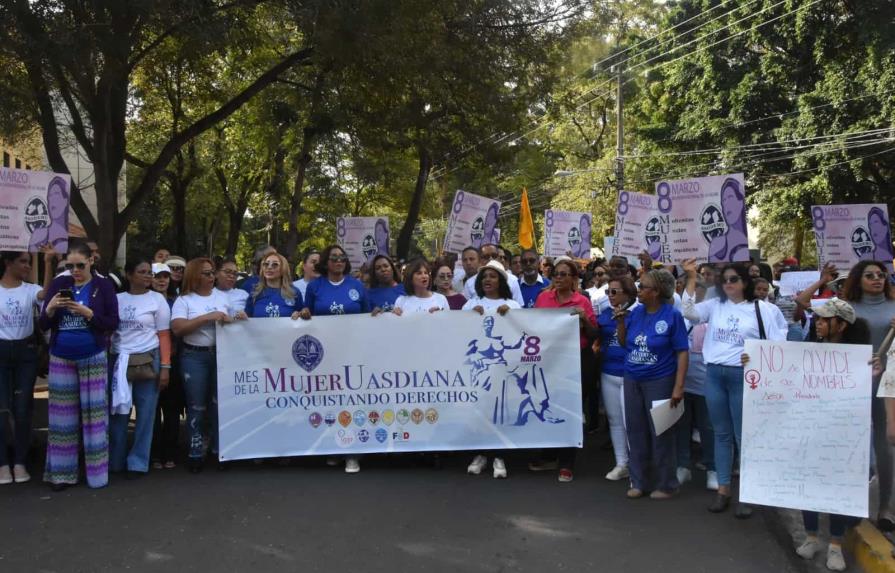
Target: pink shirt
547, 299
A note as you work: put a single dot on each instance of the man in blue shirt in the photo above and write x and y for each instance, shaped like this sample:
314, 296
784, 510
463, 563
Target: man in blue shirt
531, 283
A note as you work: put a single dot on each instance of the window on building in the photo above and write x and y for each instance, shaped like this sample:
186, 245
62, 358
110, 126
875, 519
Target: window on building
18, 163
5, 159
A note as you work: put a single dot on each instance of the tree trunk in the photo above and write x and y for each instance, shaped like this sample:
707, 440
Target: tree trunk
178, 194
416, 203
799, 241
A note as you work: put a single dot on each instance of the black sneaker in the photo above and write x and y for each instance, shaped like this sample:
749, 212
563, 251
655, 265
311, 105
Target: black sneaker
721, 503
742, 511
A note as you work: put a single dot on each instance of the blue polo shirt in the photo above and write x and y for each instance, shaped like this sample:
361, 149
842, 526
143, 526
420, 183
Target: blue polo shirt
270, 304
612, 352
347, 297
530, 292
653, 341
384, 297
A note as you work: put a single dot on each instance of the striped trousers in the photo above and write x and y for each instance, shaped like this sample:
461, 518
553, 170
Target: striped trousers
78, 405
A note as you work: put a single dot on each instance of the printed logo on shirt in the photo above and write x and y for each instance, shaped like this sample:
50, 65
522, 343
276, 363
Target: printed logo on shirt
14, 315
614, 340
731, 334
354, 295
661, 327
128, 319
642, 354
336, 308
272, 310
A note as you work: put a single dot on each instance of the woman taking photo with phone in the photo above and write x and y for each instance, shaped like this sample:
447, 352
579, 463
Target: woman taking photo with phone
80, 312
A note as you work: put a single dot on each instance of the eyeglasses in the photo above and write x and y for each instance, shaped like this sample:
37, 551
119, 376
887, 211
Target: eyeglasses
529, 261
207, 274
338, 258
73, 266
271, 265
871, 276
731, 280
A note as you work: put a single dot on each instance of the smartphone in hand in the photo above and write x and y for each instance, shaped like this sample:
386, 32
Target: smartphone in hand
65, 293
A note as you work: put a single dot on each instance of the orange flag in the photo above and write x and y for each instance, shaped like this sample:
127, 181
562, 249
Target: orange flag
526, 225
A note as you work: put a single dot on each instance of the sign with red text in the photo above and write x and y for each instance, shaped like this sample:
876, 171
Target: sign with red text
806, 426
310, 387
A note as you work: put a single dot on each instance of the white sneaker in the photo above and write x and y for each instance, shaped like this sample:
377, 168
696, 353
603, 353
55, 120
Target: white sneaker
711, 480
20, 474
695, 436
500, 468
478, 464
808, 549
617, 473
684, 475
5, 475
352, 465
835, 558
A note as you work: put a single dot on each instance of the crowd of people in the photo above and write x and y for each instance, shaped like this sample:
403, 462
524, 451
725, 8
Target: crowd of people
143, 341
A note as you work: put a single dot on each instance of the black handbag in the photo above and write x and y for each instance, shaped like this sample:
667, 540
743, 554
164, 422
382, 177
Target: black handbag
140, 367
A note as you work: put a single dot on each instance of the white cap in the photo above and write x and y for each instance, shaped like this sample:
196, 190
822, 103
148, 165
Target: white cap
160, 268
496, 266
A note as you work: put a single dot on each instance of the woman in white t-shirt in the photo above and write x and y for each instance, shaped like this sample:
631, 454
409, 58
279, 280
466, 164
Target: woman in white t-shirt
732, 318
18, 358
141, 359
492, 295
193, 316
225, 282
417, 282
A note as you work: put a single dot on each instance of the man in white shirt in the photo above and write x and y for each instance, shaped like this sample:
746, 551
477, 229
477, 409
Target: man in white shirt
469, 258
308, 272
490, 253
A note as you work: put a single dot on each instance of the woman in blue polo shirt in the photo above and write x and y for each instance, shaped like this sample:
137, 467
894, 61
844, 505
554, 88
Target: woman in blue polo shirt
335, 292
655, 339
622, 295
384, 286
274, 296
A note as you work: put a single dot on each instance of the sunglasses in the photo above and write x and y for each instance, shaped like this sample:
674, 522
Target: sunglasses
874, 276
73, 266
271, 265
615, 291
529, 261
207, 274
338, 258
731, 280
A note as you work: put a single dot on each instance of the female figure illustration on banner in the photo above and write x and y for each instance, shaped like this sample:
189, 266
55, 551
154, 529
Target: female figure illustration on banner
732, 245
878, 225
56, 232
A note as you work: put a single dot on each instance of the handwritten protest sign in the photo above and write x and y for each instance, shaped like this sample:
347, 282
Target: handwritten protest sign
806, 426
567, 233
362, 238
792, 283
473, 222
33, 210
846, 234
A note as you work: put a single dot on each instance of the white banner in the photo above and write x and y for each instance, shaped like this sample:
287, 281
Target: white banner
567, 233
806, 426
361, 384
473, 222
362, 238
33, 210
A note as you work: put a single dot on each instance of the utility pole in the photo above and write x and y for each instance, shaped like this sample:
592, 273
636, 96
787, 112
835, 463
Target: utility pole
620, 132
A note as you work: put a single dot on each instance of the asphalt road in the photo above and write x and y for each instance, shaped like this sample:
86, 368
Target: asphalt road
398, 514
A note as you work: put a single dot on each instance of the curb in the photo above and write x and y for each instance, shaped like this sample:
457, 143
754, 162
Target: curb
872, 550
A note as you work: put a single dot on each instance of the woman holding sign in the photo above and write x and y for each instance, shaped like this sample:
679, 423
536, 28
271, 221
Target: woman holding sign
335, 292
80, 311
655, 339
732, 318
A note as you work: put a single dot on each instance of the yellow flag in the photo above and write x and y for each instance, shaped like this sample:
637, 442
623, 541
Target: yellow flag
526, 225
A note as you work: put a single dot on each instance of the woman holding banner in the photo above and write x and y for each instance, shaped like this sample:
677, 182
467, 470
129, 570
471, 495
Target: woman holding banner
836, 323
193, 319
80, 312
492, 295
655, 339
274, 296
868, 291
565, 294
384, 287
732, 318
622, 295
225, 282
444, 285
335, 292
417, 280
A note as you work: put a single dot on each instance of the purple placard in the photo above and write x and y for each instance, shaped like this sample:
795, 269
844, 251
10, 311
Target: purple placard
473, 222
362, 238
33, 210
567, 233
846, 234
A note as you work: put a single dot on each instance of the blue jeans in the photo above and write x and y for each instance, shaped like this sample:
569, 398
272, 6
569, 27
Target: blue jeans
200, 384
18, 370
838, 523
651, 457
696, 413
145, 397
724, 398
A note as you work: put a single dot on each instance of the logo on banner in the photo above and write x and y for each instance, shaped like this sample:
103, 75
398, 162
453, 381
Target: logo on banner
518, 387
37, 215
381, 435
416, 416
315, 419
345, 418
388, 417
373, 417
574, 239
652, 233
344, 439
712, 223
401, 436
330, 419
363, 436
307, 352
369, 247
861, 242
431, 415
477, 230
403, 416
360, 417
